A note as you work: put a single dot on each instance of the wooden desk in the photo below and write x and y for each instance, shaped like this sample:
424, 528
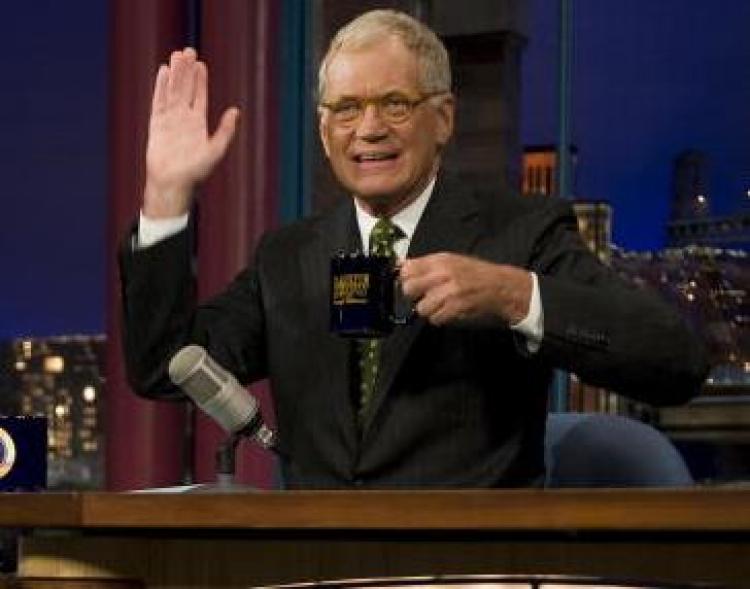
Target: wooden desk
200, 540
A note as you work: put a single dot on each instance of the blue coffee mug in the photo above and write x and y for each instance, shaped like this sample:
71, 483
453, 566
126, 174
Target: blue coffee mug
365, 296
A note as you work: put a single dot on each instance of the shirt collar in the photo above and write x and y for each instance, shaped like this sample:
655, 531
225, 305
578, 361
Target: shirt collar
406, 219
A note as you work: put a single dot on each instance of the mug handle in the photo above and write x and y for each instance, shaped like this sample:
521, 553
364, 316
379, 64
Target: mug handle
398, 295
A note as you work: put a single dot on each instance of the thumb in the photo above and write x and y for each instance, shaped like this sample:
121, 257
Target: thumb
224, 133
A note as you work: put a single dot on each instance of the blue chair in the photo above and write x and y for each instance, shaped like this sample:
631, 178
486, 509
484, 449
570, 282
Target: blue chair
600, 450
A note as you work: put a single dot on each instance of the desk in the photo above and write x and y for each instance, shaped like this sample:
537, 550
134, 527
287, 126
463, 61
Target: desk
202, 540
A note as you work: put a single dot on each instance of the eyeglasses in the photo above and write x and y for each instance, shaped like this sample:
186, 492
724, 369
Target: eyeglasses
393, 108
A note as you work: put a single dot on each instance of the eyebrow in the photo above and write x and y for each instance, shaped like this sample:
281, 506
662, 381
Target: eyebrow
381, 95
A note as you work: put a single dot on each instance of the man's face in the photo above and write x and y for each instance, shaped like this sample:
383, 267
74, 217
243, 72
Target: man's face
384, 165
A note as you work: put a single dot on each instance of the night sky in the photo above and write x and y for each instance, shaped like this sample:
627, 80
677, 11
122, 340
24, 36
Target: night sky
53, 166
652, 77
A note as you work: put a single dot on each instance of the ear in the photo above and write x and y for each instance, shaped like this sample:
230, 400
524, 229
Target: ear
445, 115
323, 130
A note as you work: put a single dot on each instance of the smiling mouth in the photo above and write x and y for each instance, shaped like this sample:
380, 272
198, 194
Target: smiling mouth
364, 158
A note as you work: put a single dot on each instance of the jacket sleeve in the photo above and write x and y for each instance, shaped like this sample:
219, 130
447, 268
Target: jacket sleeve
160, 316
606, 331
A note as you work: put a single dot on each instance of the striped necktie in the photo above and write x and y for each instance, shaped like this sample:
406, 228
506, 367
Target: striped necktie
382, 238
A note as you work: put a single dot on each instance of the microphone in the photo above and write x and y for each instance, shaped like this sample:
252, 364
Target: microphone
217, 392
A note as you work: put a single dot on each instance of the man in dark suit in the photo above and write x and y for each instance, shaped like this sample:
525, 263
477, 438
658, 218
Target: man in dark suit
503, 287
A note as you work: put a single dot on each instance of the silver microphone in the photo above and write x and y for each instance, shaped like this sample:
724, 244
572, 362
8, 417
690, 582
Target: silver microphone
217, 392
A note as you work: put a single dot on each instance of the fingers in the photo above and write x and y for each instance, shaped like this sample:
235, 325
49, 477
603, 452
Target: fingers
445, 301
224, 132
159, 100
428, 281
417, 286
200, 102
182, 73
452, 288
419, 275
436, 305
184, 81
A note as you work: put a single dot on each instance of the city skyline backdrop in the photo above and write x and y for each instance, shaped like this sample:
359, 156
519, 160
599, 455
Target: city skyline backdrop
649, 80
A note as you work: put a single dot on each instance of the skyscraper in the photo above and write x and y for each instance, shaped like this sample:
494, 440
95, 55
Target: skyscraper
691, 222
62, 378
539, 174
595, 226
690, 195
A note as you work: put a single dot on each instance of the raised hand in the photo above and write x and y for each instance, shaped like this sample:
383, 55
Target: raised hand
181, 152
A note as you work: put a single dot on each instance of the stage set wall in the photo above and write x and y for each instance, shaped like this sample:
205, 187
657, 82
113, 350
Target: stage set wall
152, 443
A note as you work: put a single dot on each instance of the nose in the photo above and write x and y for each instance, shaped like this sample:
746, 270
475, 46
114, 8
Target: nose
371, 126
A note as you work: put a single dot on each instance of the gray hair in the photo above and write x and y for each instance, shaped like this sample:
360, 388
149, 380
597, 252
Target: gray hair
376, 25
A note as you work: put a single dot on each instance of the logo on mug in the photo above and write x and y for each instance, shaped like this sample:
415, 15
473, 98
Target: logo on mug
7, 453
351, 289
365, 297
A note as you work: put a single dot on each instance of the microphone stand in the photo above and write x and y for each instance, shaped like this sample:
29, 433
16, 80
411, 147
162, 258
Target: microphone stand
226, 460
226, 456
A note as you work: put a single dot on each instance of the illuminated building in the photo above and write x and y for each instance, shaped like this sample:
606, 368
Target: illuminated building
691, 223
729, 231
539, 177
62, 378
711, 289
539, 169
690, 191
595, 226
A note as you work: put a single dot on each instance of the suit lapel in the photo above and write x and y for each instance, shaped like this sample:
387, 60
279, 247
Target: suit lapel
335, 233
450, 223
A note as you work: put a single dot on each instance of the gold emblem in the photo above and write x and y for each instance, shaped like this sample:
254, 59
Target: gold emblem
350, 289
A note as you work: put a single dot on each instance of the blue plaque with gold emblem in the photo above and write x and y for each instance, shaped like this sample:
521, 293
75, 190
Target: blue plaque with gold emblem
23, 453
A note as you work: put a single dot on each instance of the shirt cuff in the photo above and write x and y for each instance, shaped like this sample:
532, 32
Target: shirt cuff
152, 231
532, 326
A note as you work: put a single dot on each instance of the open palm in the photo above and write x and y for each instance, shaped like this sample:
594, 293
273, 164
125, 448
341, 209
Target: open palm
180, 151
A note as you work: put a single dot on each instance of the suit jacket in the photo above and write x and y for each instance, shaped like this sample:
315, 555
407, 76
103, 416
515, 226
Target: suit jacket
454, 405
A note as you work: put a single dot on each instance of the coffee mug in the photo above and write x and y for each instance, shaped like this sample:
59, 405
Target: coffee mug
366, 300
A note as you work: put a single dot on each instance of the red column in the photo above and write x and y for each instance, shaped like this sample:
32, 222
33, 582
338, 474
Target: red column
239, 44
144, 439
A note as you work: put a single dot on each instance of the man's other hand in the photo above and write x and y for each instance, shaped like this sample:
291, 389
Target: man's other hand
180, 151
451, 288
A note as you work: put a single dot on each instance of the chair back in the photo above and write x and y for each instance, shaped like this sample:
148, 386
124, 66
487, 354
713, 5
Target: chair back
600, 450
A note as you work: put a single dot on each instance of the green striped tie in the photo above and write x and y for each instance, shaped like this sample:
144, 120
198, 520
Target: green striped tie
382, 238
